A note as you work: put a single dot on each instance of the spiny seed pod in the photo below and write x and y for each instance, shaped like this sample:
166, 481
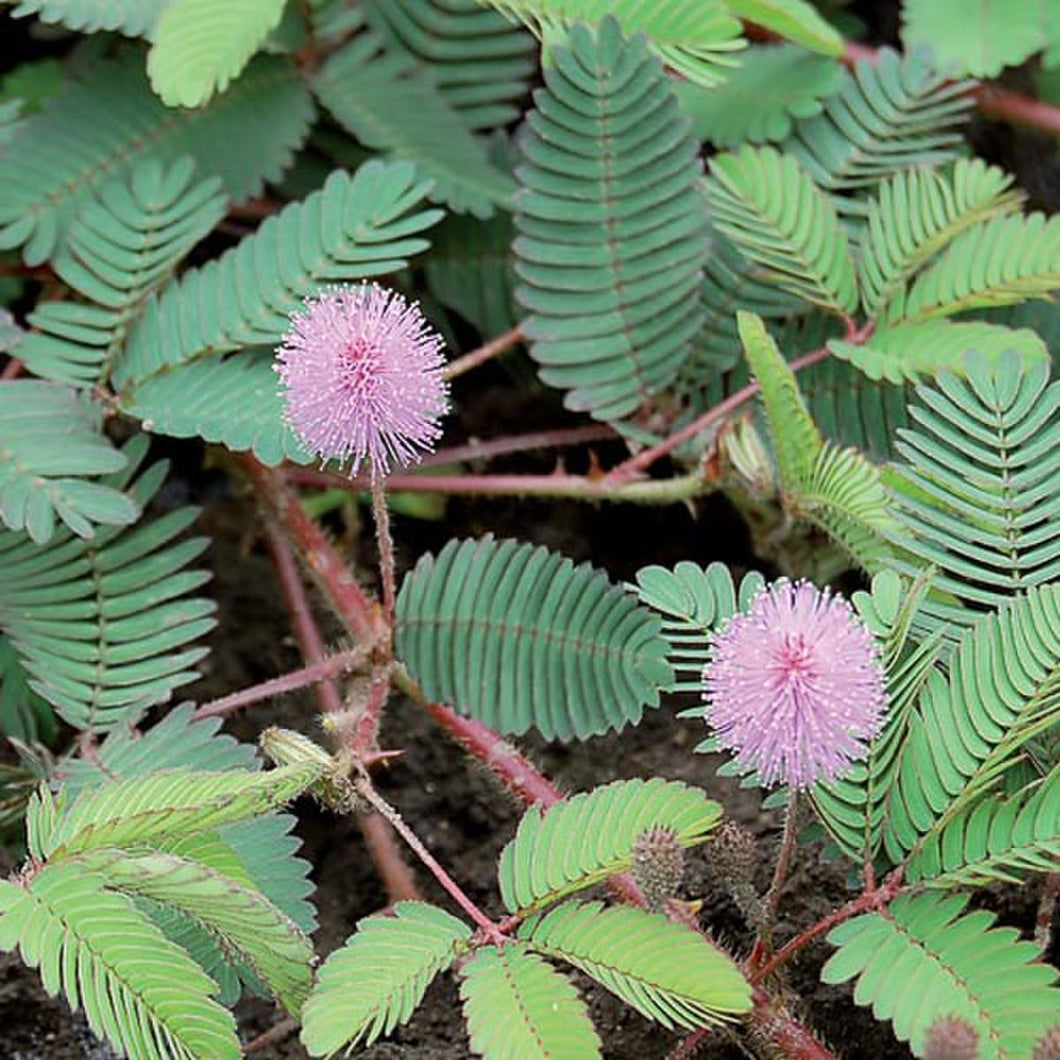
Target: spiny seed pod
951, 1038
1048, 1045
734, 857
658, 865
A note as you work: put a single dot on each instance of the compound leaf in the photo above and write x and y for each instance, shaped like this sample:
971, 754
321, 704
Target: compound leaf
137, 989
199, 46
772, 210
519, 1008
244, 137
926, 960
795, 20
517, 636
588, 837
134, 18
611, 240
664, 970
404, 952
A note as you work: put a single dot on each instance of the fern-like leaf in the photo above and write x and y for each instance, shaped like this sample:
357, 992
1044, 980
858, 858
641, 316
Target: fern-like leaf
100, 625
977, 497
519, 1008
979, 40
693, 37
51, 444
926, 960
693, 602
198, 46
480, 62
233, 401
248, 924
772, 210
352, 228
914, 215
795, 20
999, 262
758, 101
137, 989
915, 349
118, 250
245, 137
853, 808
891, 114
611, 242
517, 636
134, 18
588, 837
390, 105
404, 952
991, 840
155, 809
1003, 689
664, 970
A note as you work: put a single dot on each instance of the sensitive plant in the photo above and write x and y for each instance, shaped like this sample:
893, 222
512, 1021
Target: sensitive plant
776, 264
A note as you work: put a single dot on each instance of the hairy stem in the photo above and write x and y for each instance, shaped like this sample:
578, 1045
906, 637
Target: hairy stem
378, 803
780, 872
378, 836
484, 353
385, 543
317, 672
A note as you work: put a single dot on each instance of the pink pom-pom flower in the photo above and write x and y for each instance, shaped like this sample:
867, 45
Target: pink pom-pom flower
362, 378
794, 686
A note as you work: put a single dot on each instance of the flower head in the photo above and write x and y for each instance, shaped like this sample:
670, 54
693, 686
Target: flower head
794, 685
362, 373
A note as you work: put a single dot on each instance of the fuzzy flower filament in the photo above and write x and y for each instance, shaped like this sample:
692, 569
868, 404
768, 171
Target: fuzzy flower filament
362, 378
794, 685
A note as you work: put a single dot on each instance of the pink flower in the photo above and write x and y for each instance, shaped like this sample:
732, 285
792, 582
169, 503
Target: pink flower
794, 686
362, 373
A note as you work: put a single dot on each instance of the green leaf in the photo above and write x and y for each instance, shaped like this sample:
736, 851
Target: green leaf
796, 440
795, 20
992, 840
48, 435
138, 990
24, 715
757, 102
894, 113
118, 250
586, 838
914, 215
518, 1008
968, 729
771, 209
979, 491
233, 400
481, 63
106, 624
612, 241
403, 952
925, 960
664, 970
134, 18
156, 808
389, 105
980, 39
853, 808
353, 228
199, 46
693, 37
247, 922
911, 350
517, 636
244, 137
998, 262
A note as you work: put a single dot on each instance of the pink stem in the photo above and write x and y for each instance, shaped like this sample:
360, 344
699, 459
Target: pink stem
322, 672
484, 353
